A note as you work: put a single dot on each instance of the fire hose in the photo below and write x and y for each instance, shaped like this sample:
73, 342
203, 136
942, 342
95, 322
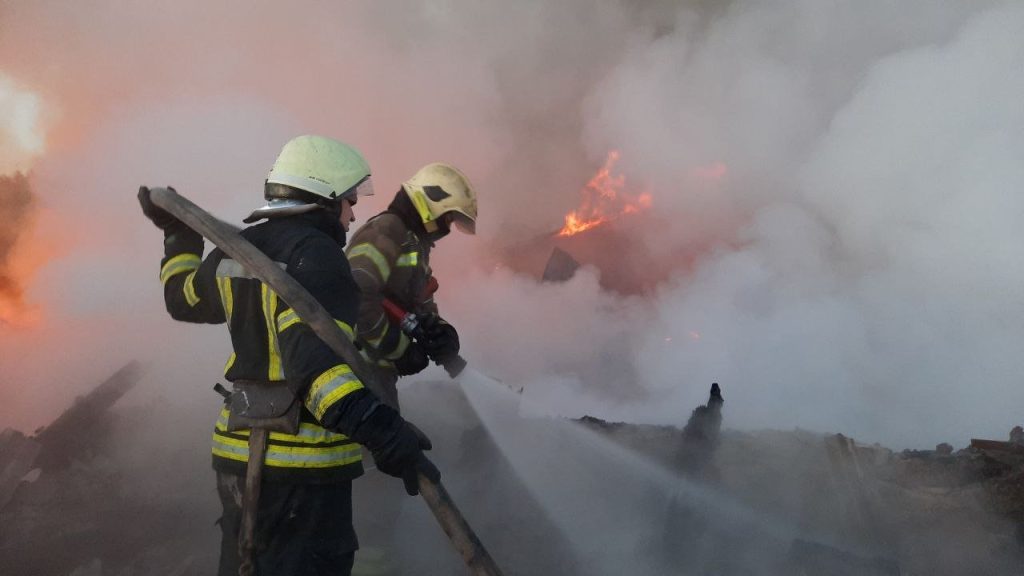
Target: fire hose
413, 327
454, 524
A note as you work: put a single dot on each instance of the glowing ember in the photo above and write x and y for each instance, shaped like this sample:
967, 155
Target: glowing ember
603, 200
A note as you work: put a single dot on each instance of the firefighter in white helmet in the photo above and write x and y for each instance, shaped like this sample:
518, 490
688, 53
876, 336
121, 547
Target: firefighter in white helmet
290, 388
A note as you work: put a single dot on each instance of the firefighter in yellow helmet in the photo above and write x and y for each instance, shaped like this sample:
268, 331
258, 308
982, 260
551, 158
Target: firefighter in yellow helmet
288, 384
390, 260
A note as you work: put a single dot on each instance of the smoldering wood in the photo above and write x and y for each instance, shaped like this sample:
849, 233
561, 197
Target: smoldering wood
17, 458
73, 434
561, 266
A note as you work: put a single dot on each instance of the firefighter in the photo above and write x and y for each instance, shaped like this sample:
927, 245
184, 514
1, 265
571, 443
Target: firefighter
390, 259
312, 453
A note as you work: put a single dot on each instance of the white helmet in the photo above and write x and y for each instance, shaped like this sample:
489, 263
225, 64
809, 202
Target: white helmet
312, 171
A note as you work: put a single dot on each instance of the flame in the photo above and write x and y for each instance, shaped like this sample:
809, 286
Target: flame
604, 200
22, 141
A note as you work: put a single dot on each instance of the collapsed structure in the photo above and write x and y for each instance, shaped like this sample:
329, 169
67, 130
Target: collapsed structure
830, 504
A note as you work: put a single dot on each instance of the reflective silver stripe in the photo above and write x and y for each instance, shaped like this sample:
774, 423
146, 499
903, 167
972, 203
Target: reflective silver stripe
370, 251
177, 265
408, 259
330, 387
229, 268
286, 319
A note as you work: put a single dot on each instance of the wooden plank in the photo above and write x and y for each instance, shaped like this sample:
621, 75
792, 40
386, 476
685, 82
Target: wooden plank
996, 446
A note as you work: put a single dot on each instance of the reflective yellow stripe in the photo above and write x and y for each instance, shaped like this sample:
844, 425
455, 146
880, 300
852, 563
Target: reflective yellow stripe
231, 362
330, 387
274, 369
191, 298
403, 344
370, 251
289, 456
227, 299
346, 329
286, 319
408, 259
177, 265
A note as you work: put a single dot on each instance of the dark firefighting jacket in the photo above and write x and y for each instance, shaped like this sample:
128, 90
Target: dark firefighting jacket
271, 344
390, 259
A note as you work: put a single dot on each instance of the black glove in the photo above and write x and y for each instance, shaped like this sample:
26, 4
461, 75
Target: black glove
440, 340
397, 447
162, 218
413, 361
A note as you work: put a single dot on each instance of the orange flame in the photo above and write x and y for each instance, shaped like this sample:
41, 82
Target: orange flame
603, 200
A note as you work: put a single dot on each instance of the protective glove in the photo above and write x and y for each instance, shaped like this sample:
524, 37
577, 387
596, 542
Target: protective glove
440, 340
397, 447
162, 218
413, 361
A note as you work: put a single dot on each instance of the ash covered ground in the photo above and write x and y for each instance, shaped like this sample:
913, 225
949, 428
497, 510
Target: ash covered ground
547, 496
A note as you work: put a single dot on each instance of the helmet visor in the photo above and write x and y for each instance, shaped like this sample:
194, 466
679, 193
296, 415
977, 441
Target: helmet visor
461, 221
363, 188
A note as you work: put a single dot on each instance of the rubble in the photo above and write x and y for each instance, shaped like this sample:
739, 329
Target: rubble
76, 432
811, 503
17, 457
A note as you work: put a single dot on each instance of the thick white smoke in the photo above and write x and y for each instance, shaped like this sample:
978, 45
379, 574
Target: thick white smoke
863, 259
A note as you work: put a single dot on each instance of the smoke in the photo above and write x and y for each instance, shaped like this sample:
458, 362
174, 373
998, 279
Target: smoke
852, 268
856, 262
852, 265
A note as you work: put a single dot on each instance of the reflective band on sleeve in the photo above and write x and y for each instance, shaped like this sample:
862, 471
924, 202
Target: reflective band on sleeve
329, 387
191, 298
346, 329
370, 251
178, 264
286, 319
408, 259
403, 344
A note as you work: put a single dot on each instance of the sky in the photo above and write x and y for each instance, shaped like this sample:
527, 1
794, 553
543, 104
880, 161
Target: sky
836, 191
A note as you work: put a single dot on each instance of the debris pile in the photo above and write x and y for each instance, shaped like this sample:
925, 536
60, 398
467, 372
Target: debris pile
67, 508
840, 507
750, 502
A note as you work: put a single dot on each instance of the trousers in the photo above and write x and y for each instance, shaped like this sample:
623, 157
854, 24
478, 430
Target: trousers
301, 529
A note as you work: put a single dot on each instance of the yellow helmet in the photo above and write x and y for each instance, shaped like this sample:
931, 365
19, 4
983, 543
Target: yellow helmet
438, 190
